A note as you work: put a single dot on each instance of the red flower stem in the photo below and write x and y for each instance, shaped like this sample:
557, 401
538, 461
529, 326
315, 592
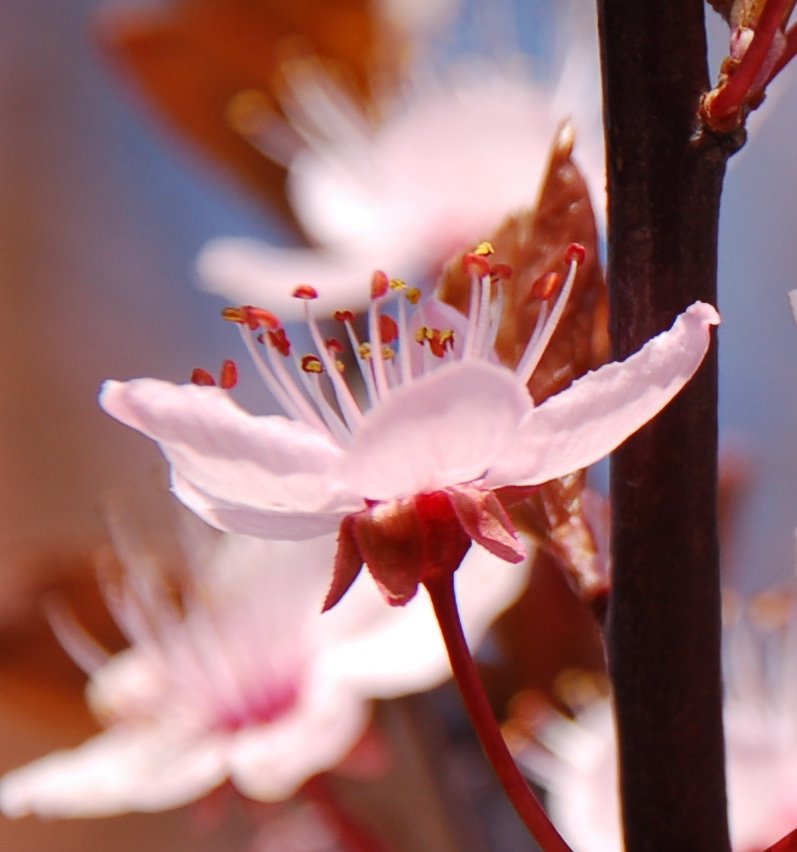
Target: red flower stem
731, 96
788, 54
352, 835
530, 811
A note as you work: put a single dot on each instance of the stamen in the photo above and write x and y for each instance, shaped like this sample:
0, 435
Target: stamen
279, 340
388, 329
346, 401
202, 378
380, 286
228, 377
305, 291
312, 364
280, 384
347, 317
575, 256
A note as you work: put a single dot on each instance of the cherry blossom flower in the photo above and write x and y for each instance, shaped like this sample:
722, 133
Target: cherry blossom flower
578, 766
443, 168
410, 479
249, 682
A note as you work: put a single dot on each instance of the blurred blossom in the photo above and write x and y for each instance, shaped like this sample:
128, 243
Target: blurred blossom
244, 679
440, 167
578, 766
447, 428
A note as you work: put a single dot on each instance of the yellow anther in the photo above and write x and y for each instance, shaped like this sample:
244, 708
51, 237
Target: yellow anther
397, 285
364, 351
387, 353
412, 295
312, 364
484, 249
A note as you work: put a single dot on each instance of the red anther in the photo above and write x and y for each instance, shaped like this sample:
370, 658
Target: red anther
305, 291
343, 316
440, 341
202, 378
260, 318
279, 340
500, 272
575, 253
475, 264
228, 377
312, 364
388, 330
333, 345
543, 288
380, 284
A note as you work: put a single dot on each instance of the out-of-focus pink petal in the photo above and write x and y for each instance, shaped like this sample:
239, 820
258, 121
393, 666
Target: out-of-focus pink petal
401, 651
251, 272
270, 762
123, 769
599, 411
443, 429
224, 452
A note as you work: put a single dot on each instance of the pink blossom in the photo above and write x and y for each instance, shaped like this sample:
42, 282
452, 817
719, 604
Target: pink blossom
249, 682
410, 478
578, 766
442, 170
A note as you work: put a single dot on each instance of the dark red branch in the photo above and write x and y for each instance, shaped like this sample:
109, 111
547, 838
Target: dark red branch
663, 626
441, 592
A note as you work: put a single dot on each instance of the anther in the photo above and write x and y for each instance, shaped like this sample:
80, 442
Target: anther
380, 284
260, 318
202, 378
473, 263
312, 364
364, 351
228, 377
575, 253
397, 285
500, 272
413, 295
233, 315
333, 345
305, 291
544, 287
484, 249
388, 329
343, 316
279, 340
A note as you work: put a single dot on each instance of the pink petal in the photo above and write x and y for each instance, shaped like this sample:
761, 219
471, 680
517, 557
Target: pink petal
151, 768
484, 519
268, 463
270, 762
599, 411
400, 650
269, 522
441, 430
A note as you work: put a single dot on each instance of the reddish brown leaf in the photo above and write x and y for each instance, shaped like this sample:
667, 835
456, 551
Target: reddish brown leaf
198, 62
533, 243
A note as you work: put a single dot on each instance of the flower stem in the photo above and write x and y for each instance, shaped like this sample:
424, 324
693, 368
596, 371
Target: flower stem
530, 811
353, 836
730, 98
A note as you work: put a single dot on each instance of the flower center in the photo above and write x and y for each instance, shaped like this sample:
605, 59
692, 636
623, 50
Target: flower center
313, 388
